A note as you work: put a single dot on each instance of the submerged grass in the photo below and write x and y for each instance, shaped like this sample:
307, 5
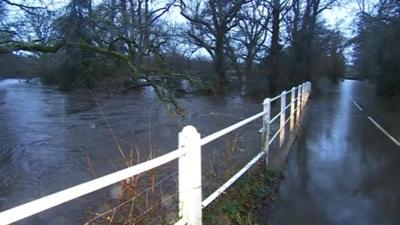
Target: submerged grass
248, 199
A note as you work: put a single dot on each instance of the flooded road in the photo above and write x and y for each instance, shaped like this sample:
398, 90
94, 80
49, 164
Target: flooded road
343, 169
51, 140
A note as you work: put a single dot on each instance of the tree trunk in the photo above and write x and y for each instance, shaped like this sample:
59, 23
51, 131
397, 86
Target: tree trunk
238, 73
274, 74
219, 63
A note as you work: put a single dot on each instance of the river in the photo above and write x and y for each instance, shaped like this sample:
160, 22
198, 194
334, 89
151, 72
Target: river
51, 140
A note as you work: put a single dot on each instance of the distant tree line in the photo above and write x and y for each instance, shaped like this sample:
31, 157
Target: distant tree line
263, 45
377, 48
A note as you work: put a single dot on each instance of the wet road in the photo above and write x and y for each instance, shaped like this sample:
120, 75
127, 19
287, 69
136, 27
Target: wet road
343, 169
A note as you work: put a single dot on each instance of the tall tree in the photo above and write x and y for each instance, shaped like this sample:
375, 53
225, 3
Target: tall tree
4, 30
78, 64
210, 22
246, 42
302, 23
275, 46
377, 48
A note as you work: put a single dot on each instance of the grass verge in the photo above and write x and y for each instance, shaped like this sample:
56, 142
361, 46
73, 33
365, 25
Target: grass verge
248, 199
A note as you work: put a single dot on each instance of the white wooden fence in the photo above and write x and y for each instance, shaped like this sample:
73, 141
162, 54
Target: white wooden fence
188, 154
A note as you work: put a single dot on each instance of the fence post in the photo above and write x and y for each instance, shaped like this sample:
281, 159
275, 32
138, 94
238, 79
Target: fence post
303, 94
292, 96
306, 93
190, 195
265, 133
308, 90
283, 115
298, 104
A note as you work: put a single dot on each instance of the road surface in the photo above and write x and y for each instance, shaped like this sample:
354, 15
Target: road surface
345, 167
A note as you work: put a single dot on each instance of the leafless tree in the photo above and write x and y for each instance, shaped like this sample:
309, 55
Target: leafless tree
301, 23
246, 42
210, 22
279, 9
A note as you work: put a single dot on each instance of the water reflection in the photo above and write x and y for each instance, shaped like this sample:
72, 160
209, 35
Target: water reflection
342, 170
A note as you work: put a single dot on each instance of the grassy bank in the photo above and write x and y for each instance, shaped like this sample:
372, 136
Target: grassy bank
251, 196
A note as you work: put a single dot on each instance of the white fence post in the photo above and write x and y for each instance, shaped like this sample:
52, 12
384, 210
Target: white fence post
292, 97
265, 133
308, 89
283, 115
190, 195
303, 95
298, 104
305, 92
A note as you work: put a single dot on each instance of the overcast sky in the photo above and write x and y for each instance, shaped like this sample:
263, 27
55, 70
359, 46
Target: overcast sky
342, 17
338, 17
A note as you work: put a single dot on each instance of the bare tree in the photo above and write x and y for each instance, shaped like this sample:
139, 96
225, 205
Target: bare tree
279, 11
301, 22
13, 27
377, 47
313, 9
246, 42
131, 32
210, 22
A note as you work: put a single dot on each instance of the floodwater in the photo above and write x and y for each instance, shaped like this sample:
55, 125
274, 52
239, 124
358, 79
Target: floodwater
51, 140
343, 169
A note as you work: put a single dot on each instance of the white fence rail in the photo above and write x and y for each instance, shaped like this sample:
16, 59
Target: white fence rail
189, 157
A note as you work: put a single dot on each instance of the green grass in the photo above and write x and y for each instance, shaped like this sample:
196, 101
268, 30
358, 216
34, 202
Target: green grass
246, 200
